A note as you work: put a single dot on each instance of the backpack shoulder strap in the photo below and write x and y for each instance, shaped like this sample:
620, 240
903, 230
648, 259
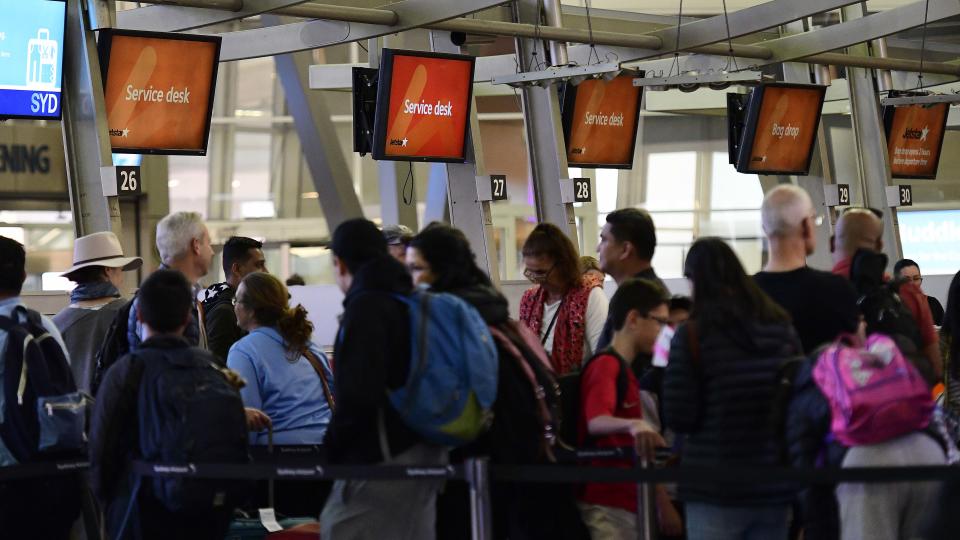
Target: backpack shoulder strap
623, 375
315, 362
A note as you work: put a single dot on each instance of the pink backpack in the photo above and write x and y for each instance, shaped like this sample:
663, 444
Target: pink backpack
875, 394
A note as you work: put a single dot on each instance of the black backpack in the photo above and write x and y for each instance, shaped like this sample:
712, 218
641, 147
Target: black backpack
115, 345
189, 413
883, 310
570, 391
527, 409
44, 416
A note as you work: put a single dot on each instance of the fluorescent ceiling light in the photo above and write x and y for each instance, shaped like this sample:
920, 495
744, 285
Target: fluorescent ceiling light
931, 99
697, 79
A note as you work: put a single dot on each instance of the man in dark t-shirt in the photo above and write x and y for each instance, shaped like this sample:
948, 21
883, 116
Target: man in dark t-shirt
821, 304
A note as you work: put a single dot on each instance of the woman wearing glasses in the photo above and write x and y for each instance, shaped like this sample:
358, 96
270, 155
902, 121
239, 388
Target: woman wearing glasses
719, 387
564, 310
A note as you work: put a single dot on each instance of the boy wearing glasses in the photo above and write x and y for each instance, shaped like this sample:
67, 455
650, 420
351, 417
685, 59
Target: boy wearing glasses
611, 414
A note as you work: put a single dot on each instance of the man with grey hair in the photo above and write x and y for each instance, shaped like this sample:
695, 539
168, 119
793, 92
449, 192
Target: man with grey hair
821, 304
822, 307
183, 242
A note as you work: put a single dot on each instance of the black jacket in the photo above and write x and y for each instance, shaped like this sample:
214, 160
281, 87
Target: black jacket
220, 320
721, 402
371, 356
115, 442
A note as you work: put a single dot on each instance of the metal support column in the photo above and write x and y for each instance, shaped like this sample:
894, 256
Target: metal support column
819, 173
318, 138
223, 145
437, 208
873, 164
478, 479
85, 137
541, 111
466, 211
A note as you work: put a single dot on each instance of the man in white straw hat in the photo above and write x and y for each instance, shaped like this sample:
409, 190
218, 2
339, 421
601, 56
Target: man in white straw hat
98, 267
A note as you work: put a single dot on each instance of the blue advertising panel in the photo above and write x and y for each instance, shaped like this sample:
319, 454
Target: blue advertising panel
31, 58
931, 237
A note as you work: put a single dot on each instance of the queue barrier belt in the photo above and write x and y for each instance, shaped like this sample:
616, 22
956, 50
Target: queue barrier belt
509, 473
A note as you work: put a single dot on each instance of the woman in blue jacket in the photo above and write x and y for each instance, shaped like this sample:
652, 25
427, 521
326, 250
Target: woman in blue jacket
287, 375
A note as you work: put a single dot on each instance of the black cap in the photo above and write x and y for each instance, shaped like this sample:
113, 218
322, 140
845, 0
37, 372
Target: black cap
357, 242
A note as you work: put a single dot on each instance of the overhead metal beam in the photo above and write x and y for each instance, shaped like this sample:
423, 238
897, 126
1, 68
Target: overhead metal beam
373, 22
318, 139
321, 33
809, 45
742, 22
190, 14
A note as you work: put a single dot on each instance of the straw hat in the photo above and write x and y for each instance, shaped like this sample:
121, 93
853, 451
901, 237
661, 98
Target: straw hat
101, 249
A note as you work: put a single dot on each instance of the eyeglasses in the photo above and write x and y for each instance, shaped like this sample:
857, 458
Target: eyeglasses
538, 276
915, 279
236, 301
662, 321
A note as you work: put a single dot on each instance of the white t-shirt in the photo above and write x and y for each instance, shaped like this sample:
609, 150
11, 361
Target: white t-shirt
597, 305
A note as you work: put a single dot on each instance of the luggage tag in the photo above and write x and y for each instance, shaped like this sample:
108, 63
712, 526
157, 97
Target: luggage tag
661, 349
268, 518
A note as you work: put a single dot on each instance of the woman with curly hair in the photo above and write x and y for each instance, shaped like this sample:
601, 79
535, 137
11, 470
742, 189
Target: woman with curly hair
287, 375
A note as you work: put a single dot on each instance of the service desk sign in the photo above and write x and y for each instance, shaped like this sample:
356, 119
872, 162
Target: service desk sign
914, 137
31, 56
423, 106
602, 128
159, 90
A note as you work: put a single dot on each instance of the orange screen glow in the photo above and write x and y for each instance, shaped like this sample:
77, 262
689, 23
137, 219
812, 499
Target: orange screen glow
914, 139
429, 107
158, 93
785, 129
603, 127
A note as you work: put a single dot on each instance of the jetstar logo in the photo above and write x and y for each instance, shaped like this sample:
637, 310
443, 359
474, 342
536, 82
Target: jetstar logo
916, 134
399, 142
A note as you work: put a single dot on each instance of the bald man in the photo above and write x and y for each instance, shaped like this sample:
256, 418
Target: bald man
860, 228
822, 305
857, 228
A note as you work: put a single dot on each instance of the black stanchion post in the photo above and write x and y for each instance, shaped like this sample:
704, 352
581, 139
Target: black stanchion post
478, 478
645, 508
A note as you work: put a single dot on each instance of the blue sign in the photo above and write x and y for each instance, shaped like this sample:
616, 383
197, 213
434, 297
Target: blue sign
31, 58
931, 237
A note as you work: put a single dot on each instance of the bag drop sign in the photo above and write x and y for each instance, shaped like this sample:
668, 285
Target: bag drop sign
785, 129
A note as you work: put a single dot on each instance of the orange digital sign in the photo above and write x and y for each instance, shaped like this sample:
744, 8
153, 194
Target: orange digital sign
159, 90
781, 128
423, 106
914, 139
600, 122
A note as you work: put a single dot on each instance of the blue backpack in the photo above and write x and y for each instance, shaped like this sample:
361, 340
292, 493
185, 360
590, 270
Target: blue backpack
452, 382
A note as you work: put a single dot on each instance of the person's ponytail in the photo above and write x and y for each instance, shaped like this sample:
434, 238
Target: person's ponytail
295, 329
